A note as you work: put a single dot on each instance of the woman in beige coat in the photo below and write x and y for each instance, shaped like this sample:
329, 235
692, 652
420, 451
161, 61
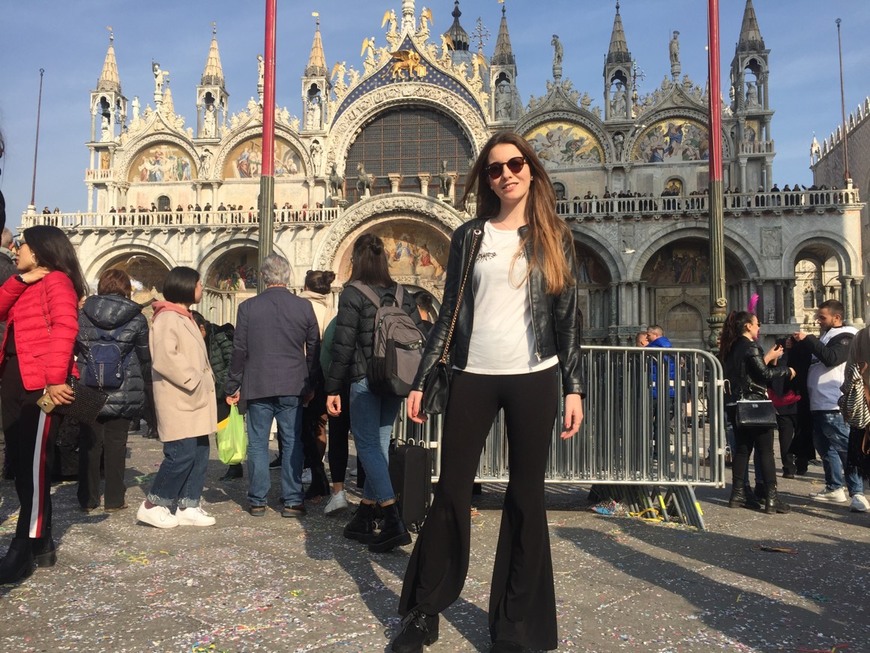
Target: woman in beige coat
184, 398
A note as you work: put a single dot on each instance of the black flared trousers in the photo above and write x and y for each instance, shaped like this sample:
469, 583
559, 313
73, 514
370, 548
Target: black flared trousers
522, 605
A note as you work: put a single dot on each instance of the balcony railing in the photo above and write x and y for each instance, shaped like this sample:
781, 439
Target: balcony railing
574, 210
157, 219
733, 203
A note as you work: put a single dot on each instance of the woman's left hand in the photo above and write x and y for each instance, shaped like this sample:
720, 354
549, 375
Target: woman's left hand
573, 415
60, 394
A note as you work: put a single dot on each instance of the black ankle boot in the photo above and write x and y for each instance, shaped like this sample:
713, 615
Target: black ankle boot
361, 527
44, 551
740, 498
393, 532
773, 504
233, 472
17, 564
418, 630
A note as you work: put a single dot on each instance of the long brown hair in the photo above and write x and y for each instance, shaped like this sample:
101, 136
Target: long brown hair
547, 231
733, 329
369, 262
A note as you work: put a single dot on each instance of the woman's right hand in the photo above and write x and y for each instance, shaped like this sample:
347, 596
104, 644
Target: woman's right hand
415, 401
792, 373
333, 405
34, 275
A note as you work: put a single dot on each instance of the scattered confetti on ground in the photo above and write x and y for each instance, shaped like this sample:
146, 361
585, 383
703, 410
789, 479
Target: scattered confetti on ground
273, 584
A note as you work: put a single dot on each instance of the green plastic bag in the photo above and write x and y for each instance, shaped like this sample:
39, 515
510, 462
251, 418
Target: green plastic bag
232, 439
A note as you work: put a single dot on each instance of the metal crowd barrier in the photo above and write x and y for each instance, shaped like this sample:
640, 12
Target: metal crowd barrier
653, 429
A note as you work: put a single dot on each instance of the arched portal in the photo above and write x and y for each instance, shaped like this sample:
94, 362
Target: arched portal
593, 294
229, 281
678, 292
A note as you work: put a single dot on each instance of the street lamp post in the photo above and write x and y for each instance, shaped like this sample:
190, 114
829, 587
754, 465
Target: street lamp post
847, 178
718, 302
267, 170
36, 145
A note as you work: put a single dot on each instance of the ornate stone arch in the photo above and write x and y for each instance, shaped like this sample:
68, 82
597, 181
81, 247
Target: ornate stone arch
254, 131
344, 130
132, 150
209, 256
603, 247
848, 260
739, 247
95, 266
371, 211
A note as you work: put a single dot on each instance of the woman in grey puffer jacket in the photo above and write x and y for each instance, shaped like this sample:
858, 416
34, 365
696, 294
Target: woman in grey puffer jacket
112, 310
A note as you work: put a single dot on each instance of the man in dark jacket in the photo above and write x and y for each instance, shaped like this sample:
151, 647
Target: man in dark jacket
275, 365
657, 339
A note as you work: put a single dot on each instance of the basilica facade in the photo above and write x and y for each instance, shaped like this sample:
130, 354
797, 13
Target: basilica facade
384, 147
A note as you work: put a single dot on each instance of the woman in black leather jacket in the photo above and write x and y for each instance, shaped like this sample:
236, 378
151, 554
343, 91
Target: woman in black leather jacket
112, 311
747, 377
516, 335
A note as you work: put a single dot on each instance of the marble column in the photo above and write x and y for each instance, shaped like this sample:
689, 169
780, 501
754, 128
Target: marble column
846, 298
644, 302
424, 178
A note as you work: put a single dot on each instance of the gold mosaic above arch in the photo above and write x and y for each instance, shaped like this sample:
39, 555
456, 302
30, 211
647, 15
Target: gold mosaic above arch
246, 158
671, 141
160, 163
560, 144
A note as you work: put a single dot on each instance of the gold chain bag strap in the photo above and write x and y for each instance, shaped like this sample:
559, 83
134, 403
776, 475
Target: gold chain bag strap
436, 386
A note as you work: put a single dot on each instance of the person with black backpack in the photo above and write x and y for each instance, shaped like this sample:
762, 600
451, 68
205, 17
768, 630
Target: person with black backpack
113, 356
376, 348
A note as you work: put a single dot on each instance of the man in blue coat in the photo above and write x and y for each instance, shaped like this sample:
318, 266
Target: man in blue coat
275, 365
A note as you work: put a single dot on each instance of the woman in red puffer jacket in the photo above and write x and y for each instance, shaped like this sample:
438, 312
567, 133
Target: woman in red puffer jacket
40, 307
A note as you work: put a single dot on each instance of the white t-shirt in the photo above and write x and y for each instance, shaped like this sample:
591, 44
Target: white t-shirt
502, 340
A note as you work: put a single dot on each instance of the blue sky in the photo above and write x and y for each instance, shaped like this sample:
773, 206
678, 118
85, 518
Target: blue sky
69, 40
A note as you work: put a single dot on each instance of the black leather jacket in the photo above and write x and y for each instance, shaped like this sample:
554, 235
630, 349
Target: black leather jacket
746, 373
554, 318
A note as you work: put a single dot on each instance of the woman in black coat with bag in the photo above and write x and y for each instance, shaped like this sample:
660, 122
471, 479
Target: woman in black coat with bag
747, 377
111, 318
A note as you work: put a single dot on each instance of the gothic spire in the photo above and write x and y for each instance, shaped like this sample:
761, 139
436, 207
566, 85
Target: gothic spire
456, 33
109, 79
750, 34
503, 55
618, 52
316, 60
213, 74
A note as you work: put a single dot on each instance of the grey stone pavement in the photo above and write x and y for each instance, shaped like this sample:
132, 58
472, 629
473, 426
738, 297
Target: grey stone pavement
274, 584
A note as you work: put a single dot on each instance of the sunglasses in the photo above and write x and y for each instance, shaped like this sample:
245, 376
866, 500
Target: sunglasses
494, 170
18, 241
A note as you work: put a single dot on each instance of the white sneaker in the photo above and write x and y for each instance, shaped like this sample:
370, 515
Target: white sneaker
337, 503
156, 516
859, 503
306, 475
194, 517
831, 496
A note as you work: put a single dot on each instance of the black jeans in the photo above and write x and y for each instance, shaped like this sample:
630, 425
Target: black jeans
106, 440
746, 440
30, 437
522, 605
339, 428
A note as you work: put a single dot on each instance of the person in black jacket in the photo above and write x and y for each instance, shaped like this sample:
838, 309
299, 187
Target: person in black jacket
109, 310
516, 333
219, 345
747, 377
371, 415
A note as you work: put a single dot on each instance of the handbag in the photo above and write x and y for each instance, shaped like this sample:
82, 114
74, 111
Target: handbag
436, 385
232, 439
853, 401
86, 404
756, 413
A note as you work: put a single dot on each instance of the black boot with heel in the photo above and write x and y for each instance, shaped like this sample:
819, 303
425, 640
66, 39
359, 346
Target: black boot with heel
17, 564
361, 527
773, 504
